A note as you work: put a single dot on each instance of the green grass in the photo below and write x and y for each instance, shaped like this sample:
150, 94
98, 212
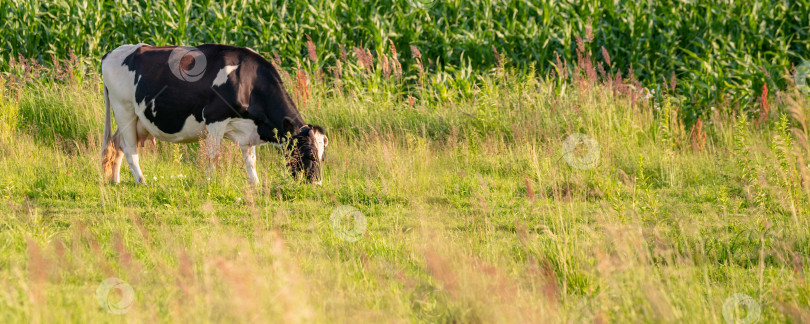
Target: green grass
472, 212
721, 52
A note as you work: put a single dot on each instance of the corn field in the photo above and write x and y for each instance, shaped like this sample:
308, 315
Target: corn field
718, 51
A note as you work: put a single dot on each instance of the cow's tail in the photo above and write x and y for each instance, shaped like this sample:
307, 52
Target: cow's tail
110, 148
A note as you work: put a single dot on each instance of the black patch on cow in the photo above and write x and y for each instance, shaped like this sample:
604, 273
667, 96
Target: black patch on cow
254, 90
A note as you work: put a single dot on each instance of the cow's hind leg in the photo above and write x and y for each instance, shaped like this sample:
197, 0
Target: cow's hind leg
119, 157
112, 155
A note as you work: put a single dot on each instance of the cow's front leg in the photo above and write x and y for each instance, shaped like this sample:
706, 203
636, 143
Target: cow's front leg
212, 142
212, 148
249, 154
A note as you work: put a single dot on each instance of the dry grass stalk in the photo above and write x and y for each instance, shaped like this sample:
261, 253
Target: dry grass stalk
698, 136
311, 52
606, 56
343, 55
764, 105
420, 69
302, 89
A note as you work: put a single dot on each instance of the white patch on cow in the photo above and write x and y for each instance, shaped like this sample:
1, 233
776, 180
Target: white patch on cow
154, 111
222, 75
320, 143
242, 131
118, 79
218, 129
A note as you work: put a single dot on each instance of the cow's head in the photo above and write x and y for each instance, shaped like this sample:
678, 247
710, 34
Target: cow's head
307, 147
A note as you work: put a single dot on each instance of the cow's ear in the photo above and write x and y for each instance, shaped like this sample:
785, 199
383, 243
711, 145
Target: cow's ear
304, 130
289, 127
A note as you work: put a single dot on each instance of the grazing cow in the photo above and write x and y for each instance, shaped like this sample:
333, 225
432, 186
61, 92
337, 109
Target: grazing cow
177, 94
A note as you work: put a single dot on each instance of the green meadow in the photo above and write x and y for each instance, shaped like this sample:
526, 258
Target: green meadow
480, 209
469, 178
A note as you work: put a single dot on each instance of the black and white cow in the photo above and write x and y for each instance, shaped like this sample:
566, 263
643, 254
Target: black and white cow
177, 94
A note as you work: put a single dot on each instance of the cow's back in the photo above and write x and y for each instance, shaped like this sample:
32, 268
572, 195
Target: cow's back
167, 90
176, 92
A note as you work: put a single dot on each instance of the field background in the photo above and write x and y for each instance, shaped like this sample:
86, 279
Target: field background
723, 52
474, 211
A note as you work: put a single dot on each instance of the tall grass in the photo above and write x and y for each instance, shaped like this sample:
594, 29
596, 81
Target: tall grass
722, 52
473, 213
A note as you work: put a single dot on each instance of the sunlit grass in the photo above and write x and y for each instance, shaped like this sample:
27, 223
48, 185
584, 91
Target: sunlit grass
472, 212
